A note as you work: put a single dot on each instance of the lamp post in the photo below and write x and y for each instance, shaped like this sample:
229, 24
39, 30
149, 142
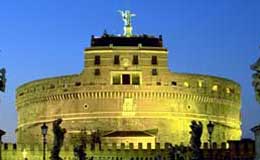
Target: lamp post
44, 129
210, 127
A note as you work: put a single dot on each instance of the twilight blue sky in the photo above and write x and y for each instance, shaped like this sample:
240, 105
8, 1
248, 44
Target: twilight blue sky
46, 38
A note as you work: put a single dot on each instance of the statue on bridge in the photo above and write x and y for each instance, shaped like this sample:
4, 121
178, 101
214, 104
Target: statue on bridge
256, 79
195, 142
58, 139
2, 79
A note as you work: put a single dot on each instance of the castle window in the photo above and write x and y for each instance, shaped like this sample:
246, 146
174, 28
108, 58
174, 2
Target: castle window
116, 59
174, 83
97, 72
227, 90
77, 83
154, 72
135, 60
215, 88
5, 146
200, 84
158, 83
186, 84
86, 106
126, 78
230, 90
97, 60
14, 146
116, 79
154, 60
52, 86
135, 79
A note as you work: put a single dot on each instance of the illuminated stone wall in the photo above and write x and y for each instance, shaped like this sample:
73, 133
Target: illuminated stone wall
104, 151
166, 101
115, 151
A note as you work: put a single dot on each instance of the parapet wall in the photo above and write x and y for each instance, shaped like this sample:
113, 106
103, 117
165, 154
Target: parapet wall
103, 151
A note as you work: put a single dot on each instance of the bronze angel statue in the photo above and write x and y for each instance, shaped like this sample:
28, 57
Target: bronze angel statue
58, 139
195, 142
256, 79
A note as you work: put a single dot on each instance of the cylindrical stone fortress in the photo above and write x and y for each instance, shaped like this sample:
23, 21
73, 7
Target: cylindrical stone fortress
126, 85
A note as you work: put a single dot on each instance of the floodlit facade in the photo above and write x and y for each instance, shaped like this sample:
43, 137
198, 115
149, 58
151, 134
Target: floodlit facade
126, 85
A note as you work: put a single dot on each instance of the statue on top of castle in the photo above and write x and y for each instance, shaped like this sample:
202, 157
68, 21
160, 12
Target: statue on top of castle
58, 139
256, 79
195, 142
126, 16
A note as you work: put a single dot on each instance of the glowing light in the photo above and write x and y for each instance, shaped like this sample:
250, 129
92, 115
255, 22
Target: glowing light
24, 154
215, 88
228, 90
200, 83
186, 84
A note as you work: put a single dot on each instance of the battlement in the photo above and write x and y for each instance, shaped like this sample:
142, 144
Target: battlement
144, 40
120, 146
126, 151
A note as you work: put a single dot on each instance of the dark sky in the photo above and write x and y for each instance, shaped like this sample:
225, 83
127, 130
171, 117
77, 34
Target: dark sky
45, 38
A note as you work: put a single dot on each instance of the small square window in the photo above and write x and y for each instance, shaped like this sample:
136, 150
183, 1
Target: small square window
77, 83
97, 72
126, 79
116, 59
154, 72
135, 60
135, 79
215, 88
154, 60
227, 90
116, 79
186, 84
200, 83
97, 60
174, 83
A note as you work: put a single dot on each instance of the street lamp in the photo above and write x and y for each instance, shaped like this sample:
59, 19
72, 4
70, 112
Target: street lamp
44, 129
210, 127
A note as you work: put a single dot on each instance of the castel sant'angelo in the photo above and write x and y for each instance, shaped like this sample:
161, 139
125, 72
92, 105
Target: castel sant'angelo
127, 93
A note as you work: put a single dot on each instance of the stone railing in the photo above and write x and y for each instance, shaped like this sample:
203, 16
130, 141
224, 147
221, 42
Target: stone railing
106, 151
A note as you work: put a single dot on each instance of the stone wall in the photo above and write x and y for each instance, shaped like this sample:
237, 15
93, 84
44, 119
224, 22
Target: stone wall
243, 149
105, 151
166, 102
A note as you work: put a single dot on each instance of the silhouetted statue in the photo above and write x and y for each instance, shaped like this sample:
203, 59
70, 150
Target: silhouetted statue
195, 142
58, 139
79, 152
256, 79
95, 139
176, 152
2, 79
